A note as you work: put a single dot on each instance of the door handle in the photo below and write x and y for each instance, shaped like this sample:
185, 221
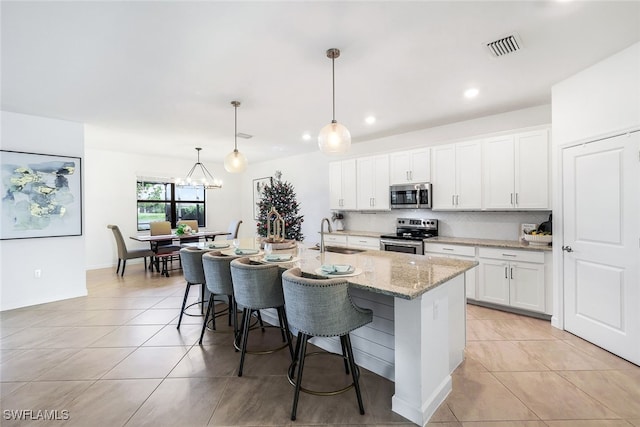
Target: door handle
567, 249
516, 199
457, 199
453, 200
511, 272
505, 273
512, 198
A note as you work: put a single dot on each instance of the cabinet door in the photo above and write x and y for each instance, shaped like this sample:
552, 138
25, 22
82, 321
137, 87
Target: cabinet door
400, 167
420, 165
526, 289
381, 183
493, 283
499, 170
349, 184
366, 183
468, 175
532, 170
335, 185
443, 176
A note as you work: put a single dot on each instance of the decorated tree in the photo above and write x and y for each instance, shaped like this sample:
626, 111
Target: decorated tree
280, 195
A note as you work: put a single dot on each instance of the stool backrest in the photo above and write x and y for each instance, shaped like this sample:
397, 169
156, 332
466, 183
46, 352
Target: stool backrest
191, 259
256, 285
217, 272
321, 307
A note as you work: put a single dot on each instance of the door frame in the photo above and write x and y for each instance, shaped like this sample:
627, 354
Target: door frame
557, 318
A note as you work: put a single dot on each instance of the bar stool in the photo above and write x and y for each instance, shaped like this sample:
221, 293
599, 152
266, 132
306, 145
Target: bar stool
321, 308
217, 272
258, 286
194, 275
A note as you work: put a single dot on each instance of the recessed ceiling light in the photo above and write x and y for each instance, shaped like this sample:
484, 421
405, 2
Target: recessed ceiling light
370, 120
306, 136
471, 93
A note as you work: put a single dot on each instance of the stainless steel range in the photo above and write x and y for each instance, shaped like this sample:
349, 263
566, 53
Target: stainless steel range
410, 233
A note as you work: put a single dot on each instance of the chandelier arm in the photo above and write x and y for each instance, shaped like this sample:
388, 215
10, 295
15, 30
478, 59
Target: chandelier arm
206, 172
193, 168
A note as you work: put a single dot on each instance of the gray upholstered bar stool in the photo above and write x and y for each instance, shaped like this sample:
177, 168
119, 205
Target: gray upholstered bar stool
321, 308
258, 286
194, 275
217, 272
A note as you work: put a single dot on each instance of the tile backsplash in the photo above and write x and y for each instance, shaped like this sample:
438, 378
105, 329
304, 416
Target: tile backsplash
478, 225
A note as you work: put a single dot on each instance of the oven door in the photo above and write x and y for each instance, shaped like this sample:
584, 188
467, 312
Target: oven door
415, 247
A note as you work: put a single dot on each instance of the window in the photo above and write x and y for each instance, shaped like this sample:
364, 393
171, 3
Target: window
164, 201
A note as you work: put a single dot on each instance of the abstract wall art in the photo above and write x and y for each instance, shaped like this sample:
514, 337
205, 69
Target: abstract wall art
41, 195
258, 188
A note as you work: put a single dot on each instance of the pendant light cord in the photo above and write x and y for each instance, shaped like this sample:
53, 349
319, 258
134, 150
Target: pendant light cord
235, 133
333, 80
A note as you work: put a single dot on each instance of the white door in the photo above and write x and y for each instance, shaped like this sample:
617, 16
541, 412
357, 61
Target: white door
443, 176
601, 192
493, 285
469, 175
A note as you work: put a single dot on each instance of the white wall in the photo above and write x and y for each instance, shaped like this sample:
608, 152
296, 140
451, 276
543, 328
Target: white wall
309, 174
60, 259
111, 198
599, 100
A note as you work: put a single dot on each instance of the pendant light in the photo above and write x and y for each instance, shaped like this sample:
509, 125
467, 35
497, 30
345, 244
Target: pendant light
235, 161
202, 178
334, 138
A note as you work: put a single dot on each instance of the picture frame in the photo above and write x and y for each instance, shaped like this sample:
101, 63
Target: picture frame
41, 195
258, 186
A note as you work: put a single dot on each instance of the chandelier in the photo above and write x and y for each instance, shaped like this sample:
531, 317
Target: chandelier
199, 175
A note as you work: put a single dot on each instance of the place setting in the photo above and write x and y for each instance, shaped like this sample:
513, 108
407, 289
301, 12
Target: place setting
338, 270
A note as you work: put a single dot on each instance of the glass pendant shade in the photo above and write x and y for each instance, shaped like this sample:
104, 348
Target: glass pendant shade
334, 138
235, 162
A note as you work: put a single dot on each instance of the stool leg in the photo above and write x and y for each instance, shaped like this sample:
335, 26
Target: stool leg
354, 371
284, 328
230, 304
345, 357
202, 299
184, 303
246, 314
301, 355
260, 320
206, 318
296, 354
235, 323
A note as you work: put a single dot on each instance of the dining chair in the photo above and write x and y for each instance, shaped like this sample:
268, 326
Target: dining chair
193, 223
124, 254
160, 228
234, 226
321, 308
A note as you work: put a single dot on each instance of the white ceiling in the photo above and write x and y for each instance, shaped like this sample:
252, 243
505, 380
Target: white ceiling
160, 76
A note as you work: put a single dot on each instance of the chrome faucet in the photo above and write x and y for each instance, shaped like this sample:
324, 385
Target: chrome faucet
329, 230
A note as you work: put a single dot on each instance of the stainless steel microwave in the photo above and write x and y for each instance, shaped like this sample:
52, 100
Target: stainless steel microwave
411, 196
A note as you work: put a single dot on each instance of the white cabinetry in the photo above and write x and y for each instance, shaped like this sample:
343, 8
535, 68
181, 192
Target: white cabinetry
456, 174
512, 277
335, 240
373, 183
342, 185
467, 253
516, 171
410, 167
363, 242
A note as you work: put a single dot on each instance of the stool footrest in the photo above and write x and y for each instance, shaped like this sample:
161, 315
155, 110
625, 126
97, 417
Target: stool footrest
292, 379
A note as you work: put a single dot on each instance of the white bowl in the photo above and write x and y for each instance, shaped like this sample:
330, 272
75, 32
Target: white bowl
538, 239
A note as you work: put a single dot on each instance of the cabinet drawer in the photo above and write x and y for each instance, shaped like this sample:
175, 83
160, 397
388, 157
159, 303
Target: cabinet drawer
363, 242
335, 239
443, 248
511, 255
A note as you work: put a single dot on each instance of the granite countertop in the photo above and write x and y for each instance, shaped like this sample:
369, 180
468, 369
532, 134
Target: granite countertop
490, 243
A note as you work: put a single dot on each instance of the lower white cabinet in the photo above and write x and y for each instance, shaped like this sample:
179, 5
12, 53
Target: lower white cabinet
467, 253
512, 277
362, 242
335, 240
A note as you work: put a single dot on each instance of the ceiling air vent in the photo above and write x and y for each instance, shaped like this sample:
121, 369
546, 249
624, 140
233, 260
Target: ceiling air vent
244, 135
505, 45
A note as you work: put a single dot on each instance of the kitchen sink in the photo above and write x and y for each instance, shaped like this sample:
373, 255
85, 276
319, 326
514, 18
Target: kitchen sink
339, 250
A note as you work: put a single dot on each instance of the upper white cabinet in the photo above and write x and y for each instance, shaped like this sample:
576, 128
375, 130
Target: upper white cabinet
373, 183
516, 171
456, 175
342, 185
410, 167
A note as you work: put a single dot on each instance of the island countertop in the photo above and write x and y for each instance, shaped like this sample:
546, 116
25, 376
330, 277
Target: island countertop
399, 275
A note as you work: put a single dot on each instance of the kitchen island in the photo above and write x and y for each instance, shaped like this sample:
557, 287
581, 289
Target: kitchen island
417, 337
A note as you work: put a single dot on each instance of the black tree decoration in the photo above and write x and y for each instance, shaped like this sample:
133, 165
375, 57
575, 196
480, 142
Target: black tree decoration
281, 195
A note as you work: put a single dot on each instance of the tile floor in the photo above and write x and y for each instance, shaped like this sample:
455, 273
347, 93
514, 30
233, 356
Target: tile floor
115, 358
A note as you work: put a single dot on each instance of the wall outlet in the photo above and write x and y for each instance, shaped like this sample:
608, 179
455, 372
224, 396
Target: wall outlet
37, 273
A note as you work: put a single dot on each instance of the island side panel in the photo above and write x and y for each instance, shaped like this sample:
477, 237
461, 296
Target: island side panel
426, 338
